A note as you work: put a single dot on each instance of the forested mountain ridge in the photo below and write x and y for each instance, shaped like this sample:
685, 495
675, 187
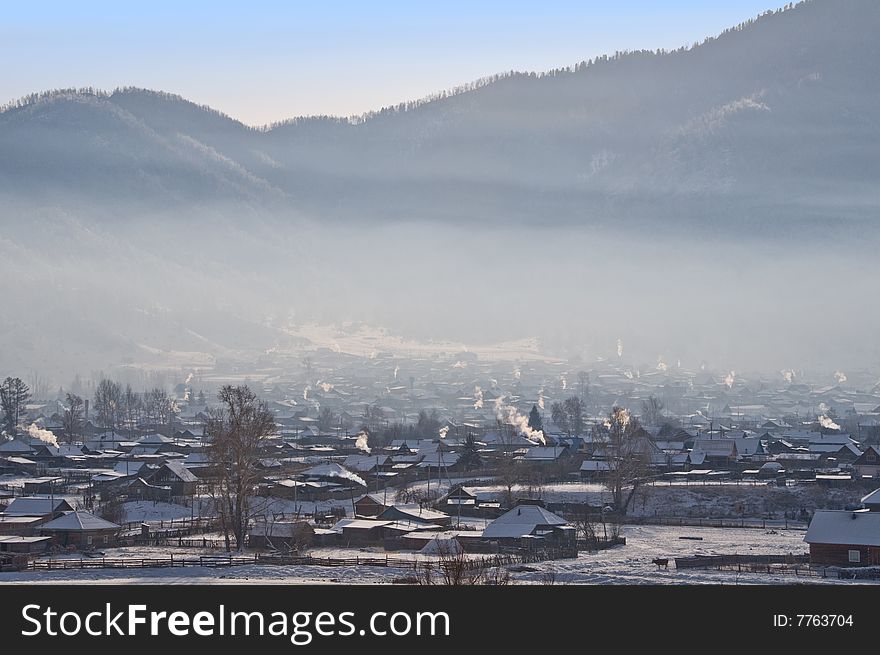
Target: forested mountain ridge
777, 119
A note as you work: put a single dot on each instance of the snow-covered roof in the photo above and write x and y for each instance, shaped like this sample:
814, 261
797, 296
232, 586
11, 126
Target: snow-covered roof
520, 521
154, 439
180, 471
360, 524
844, 528
595, 465
872, 498
442, 546
415, 512
364, 462
128, 467
544, 453
15, 446
333, 470
79, 522
34, 506
439, 459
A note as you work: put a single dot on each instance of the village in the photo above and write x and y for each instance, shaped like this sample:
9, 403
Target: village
447, 468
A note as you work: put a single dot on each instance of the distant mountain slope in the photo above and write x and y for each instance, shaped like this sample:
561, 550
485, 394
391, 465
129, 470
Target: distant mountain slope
777, 119
717, 202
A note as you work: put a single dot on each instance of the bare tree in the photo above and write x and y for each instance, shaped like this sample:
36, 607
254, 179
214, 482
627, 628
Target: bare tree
72, 420
627, 456
236, 429
574, 408
560, 417
326, 420
652, 410
569, 416
108, 403
584, 385
14, 396
159, 406
131, 405
39, 386
509, 475
454, 568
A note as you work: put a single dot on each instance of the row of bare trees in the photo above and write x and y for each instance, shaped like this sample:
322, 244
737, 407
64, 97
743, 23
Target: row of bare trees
116, 406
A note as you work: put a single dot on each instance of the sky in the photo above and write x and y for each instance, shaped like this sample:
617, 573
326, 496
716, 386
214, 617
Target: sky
264, 61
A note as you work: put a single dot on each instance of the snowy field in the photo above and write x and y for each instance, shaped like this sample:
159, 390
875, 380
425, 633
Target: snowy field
630, 564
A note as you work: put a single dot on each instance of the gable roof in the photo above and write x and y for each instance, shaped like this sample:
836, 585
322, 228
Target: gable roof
15, 446
870, 456
413, 513
36, 506
872, 498
371, 498
333, 470
520, 521
545, 453
179, 471
364, 463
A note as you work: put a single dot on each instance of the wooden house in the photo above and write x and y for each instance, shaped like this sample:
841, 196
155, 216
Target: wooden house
844, 538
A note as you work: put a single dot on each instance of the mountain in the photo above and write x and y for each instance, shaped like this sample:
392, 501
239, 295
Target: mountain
715, 202
776, 120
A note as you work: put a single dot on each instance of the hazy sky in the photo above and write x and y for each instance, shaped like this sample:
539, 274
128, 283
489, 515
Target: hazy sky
263, 60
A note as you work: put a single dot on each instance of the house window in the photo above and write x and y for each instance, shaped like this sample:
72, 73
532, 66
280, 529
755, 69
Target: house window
855, 556
89, 541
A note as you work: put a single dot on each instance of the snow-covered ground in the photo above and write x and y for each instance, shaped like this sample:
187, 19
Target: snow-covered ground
630, 564
148, 510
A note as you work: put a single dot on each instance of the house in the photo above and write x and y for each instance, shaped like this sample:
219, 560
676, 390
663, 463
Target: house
21, 525
843, 457
530, 521
38, 506
366, 463
43, 485
130, 468
15, 447
415, 514
16, 464
867, 465
175, 475
844, 538
543, 455
280, 535
27, 545
80, 529
716, 452
333, 473
459, 497
56, 455
749, 447
361, 530
140, 489
595, 469
439, 460
370, 505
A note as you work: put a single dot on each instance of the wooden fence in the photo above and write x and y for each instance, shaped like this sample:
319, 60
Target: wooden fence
797, 565
214, 561
762, 524
711, 561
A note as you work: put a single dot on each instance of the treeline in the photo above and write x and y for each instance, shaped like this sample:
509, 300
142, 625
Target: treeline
406, 106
